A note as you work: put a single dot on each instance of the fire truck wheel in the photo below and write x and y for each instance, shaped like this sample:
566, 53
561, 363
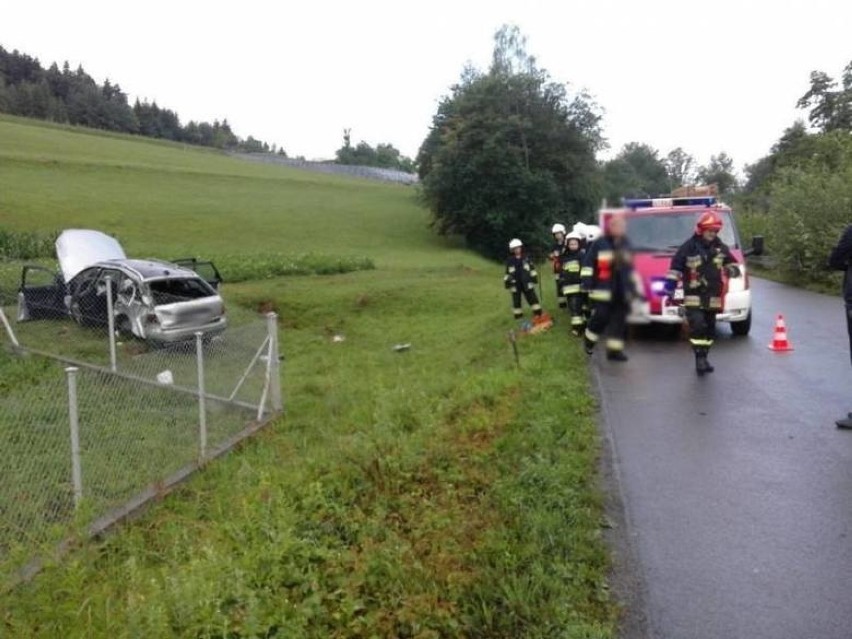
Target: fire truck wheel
741, 329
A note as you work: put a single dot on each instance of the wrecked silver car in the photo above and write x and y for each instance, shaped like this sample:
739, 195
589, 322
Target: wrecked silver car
150, 299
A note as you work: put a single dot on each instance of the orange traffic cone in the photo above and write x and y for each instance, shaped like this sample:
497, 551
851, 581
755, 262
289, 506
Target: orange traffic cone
780, 343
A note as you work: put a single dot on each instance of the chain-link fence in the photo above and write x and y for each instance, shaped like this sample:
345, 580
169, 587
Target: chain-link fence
97, 421
366, 172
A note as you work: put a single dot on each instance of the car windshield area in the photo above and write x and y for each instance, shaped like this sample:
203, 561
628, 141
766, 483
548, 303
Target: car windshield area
170, 291
667, 231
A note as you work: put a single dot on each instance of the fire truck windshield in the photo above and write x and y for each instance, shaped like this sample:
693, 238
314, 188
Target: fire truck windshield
667, 231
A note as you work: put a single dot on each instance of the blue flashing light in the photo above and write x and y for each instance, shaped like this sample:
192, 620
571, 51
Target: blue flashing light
645, 203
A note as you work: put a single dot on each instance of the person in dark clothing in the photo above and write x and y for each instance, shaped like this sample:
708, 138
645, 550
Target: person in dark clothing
571, 263
556, 252
521, 278
608, 278
701, 262
841, 260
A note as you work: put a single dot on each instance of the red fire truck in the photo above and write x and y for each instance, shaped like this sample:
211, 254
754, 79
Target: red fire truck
656, 228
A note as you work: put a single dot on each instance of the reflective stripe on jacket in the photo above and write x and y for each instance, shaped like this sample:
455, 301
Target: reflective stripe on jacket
572, 265
701, 266
520, 271
607, 271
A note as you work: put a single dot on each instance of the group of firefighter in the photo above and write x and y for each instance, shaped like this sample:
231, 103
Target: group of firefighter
597, 286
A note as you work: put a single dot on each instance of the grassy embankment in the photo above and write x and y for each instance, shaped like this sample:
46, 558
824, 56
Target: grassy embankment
436, 492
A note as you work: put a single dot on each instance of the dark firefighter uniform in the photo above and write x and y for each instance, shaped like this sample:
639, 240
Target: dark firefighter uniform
607, 276
521, 278
701, 264
841, 260
570, 285
556, 252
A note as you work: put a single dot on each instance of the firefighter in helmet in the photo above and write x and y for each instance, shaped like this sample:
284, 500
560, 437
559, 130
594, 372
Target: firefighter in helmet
520, 279
702, 263
556, 251
608, 278
571, 264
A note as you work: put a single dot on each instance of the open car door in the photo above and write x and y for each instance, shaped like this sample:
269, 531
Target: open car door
206, 270
42, 295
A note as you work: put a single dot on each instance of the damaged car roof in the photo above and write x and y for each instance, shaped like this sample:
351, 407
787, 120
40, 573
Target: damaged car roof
78, 249
151, 269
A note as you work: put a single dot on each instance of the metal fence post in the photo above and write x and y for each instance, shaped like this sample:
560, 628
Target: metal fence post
9, 330
202, 405
76, 471
111, 324
274, 363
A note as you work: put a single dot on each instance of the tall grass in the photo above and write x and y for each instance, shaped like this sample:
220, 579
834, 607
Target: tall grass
26, 245
263, 266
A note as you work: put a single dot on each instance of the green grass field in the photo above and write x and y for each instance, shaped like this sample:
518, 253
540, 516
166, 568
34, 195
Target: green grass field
439, 492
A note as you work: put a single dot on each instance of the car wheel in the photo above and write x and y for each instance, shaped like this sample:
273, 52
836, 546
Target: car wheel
123, 327
741, 329
671, 331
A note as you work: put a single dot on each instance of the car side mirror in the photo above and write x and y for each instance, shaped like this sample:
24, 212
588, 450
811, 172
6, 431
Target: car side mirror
756, 246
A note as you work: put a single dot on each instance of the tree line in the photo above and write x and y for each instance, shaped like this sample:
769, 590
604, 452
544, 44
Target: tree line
638, 170
73, 97
384, 156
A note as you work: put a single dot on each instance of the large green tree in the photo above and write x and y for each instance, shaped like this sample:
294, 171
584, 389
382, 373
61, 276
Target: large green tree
680, 167
830, 106
509, 153
719, 171
637, 171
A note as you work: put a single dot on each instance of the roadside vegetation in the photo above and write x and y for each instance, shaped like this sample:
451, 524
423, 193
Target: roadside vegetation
799, 196
436, 492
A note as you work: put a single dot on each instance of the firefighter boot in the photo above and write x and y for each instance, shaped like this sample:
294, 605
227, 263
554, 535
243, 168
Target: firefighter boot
615, 350
708, 367
588, 343
702, 366
617, 356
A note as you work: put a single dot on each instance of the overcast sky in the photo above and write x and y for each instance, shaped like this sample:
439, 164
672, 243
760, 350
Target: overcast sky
707, 76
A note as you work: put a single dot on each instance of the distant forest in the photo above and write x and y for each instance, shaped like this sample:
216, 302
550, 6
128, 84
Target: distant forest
73, 97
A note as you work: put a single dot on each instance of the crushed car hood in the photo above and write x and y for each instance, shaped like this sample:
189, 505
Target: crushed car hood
77, 249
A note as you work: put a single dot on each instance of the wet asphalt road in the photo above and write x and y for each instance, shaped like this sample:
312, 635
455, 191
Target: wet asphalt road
737, 487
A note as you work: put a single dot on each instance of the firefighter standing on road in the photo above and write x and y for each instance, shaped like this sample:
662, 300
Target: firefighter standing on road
521, 278
701, 262
608, 277
841, 260
556, 252
571, 263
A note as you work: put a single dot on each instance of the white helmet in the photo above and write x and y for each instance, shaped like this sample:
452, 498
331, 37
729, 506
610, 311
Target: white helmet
558, 228
593, 232
588, 231
516, 243
574, 235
